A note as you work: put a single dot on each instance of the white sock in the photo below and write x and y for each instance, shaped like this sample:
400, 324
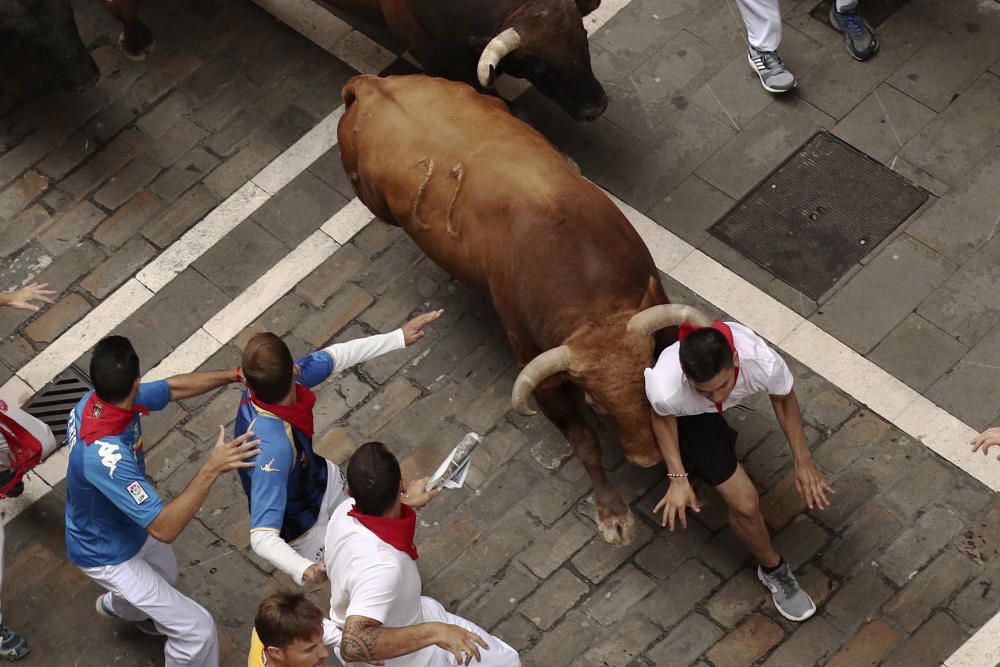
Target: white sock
846, 5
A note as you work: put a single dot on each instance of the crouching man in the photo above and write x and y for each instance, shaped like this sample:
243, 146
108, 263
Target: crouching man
708, 370
375, 587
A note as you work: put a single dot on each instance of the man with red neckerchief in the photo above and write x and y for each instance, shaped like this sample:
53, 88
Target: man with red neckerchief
118, 529
694, 380
379, 615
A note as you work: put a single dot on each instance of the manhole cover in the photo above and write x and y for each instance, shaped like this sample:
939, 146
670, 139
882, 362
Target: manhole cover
874, 11
819, 213
53, 403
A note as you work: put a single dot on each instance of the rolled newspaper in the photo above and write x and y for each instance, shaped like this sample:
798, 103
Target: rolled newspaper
453, 470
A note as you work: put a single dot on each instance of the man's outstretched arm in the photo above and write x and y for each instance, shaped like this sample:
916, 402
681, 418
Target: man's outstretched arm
187, 385
367, 640
811, 484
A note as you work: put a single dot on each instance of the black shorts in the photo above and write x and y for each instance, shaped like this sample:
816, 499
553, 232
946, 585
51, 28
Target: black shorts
708, 446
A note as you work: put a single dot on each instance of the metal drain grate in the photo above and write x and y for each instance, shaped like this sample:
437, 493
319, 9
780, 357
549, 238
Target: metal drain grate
54, 402
874, 11
819, 213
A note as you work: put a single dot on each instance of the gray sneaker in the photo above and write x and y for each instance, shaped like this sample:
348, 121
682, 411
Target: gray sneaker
771, 70
146, 626
858, 33
12, 645
790, 599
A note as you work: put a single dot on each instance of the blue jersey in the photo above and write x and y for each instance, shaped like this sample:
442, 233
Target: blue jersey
109, 501
286, 485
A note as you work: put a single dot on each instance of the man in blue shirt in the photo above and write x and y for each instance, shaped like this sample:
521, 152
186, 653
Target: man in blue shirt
118, 529
292, 490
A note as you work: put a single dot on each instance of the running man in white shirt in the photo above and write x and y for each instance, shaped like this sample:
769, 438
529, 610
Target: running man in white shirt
292, 490
376, 607
707, 371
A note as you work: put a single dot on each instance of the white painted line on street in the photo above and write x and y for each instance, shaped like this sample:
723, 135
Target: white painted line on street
348, 221
309, 20
981, 650
186, 357
34, 488
271, 286
299, 155
365, 54
199, 239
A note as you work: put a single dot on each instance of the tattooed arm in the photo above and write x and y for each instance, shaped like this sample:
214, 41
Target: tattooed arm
367, 640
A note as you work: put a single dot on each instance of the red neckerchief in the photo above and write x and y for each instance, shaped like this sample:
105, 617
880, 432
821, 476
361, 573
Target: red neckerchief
299, 414
723, 328
101, 419
396, 533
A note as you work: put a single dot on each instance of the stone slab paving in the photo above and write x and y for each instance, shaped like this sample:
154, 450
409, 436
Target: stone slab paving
904, 565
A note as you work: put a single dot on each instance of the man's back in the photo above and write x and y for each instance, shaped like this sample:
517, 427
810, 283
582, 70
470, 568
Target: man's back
109, 501
370, 578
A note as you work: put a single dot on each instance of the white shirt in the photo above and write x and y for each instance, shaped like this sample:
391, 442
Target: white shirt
373, 579
670, 392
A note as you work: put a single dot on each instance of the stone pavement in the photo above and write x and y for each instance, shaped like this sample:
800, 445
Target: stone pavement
904, 565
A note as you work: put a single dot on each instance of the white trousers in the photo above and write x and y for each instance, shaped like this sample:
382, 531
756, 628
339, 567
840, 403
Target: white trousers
499, 655
142, 587
763, 22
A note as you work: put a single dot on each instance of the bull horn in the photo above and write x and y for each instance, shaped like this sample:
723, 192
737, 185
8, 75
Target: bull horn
668, 315
499, 46
546, 364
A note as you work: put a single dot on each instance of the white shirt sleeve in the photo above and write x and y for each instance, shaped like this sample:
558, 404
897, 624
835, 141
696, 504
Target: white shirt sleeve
780, 380
359, 350
267, 544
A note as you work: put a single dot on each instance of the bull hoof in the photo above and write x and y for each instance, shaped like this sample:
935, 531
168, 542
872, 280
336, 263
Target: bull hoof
617, 530
135, 54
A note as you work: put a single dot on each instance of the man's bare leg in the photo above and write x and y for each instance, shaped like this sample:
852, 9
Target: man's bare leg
745, 517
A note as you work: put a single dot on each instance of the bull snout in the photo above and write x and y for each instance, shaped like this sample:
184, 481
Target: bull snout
593, 112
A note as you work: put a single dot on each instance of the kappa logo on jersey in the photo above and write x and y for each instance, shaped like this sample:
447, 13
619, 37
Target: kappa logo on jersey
269, 467
110, 456
138, 493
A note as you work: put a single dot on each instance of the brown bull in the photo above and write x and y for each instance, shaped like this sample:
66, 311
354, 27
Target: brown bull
494, 204
543, 41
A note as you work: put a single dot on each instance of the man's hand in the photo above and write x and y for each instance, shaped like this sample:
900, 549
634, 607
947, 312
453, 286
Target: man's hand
414, 329
461, 643
231, 455
23, 297
679, 496
985, 440
416, 494
812, 485
315, 574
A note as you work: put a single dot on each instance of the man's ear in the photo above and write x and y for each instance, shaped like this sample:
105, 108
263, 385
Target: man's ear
135, 386
296, 370
736, 359
274, 654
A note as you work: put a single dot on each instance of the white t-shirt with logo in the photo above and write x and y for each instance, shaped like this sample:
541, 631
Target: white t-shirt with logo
373, 579
670, 392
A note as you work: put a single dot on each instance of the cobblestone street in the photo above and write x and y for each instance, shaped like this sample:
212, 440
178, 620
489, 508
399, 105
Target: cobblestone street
905, 564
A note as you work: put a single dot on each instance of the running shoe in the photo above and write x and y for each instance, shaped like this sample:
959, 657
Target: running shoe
12, 645
771, 70
790, 599
146, 626
858, 33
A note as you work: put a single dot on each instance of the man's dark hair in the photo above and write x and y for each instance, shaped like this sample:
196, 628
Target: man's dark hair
268, 367
705, 353
114, 368
284, 617
373, 476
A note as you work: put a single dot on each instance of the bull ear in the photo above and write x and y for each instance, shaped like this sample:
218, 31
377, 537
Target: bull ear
587, 6
653, 295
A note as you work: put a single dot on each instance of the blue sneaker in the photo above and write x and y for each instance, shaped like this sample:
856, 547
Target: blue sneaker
858, 33
12, 645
